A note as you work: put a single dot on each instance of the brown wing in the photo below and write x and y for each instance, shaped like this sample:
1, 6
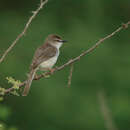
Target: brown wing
42, 54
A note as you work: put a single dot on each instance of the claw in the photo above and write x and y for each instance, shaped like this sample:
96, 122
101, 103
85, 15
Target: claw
52, 70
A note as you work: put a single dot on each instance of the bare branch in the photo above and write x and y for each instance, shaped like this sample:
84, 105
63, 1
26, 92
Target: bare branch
124, 26
70, 75
24, 30
106, 113
87, 51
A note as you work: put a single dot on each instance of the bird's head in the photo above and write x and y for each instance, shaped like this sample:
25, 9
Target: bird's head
55, 40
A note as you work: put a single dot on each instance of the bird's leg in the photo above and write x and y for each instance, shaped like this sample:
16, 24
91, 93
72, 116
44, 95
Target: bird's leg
51, 70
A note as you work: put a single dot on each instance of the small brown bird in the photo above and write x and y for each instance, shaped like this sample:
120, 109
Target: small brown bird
44, 58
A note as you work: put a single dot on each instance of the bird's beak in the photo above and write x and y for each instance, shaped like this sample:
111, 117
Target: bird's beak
64, 41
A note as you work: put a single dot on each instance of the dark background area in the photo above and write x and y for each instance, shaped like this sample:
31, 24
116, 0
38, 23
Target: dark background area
50, 105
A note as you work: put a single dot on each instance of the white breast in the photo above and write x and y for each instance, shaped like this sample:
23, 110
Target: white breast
49, 63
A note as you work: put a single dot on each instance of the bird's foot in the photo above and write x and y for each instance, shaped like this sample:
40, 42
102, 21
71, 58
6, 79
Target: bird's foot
52, 70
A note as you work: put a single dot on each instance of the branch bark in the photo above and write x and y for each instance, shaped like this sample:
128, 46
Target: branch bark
76, 59
106, 113
42, 3
70, 75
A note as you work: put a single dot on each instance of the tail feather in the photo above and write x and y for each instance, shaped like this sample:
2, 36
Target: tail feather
29, 82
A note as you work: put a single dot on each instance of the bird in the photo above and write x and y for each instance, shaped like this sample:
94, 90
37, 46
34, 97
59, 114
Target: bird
44, 58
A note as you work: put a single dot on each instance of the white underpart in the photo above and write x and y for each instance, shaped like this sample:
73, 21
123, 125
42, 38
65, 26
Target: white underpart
58, 45
50, 63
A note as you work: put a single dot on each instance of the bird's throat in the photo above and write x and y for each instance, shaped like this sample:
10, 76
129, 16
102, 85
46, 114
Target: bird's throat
57, 45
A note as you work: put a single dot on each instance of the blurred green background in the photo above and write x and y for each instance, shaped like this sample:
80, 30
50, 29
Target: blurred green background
50, 105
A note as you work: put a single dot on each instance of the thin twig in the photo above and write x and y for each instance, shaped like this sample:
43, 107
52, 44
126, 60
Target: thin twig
106, 113
124, 26
42, 3
70, 75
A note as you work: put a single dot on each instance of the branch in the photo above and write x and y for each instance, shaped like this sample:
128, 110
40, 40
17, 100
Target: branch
42, 3
124, 26
106, 113
70, 75
76, 59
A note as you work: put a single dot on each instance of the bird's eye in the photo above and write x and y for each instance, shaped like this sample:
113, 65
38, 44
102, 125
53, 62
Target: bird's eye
57, 40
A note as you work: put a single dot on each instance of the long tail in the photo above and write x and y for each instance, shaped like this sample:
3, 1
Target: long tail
29, 82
